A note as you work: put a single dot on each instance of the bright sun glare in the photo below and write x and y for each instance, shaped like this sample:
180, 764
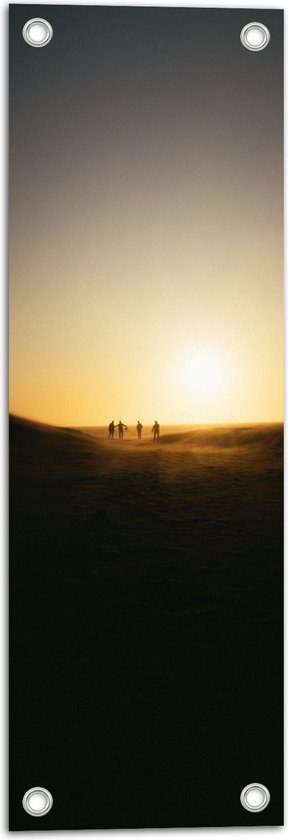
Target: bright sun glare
204, 373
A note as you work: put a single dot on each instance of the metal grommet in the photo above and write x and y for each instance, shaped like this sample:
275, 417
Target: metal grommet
37, 801
37, 32
255, 797
255, 36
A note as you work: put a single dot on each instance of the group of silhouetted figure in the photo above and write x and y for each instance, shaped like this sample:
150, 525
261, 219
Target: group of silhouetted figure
155, 431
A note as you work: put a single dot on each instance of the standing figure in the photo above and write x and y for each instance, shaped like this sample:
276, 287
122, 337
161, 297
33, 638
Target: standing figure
111, 429
139, 428
156, 431
121, 426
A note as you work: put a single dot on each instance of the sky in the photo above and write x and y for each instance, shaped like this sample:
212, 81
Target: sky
146, 192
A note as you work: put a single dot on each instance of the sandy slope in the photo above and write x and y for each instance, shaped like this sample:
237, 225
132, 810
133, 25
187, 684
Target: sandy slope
146, 625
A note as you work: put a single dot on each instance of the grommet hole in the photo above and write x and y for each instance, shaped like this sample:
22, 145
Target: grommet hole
37, 801
255, 797
255, 36
37, 32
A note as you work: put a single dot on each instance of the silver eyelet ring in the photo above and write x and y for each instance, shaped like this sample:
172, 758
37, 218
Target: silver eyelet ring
37, 32
37, 801
255, 797
255, 36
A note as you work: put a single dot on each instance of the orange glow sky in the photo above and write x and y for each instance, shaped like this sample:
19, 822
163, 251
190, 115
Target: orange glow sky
146, 268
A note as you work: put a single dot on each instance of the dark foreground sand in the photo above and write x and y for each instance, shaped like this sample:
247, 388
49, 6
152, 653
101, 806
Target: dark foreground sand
146, 634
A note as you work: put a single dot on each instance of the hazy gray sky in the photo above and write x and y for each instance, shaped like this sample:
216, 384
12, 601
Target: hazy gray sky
146, 216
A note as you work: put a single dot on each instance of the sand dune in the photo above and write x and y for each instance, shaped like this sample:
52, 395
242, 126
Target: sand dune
147, 582
227, 436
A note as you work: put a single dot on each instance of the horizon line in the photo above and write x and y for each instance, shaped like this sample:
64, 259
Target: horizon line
19, 417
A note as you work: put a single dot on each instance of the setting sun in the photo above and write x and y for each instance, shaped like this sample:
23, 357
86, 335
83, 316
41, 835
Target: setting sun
204, 372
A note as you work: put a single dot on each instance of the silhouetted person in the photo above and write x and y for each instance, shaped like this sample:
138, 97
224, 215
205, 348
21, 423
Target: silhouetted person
121, 426
139, 428
156, 430
111, 429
